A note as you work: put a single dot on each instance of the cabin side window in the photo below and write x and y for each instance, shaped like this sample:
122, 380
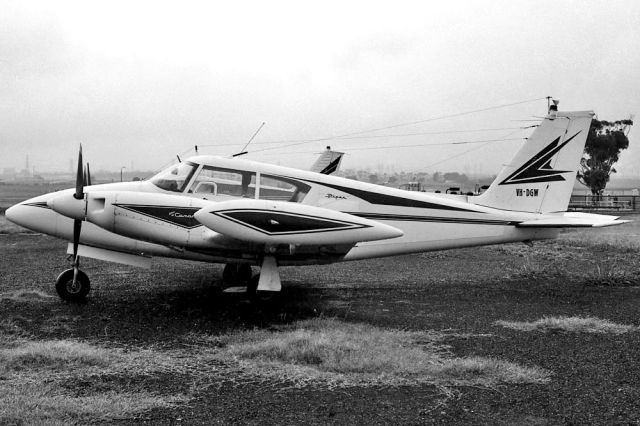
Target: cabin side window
282, 189
218, 181
175, 178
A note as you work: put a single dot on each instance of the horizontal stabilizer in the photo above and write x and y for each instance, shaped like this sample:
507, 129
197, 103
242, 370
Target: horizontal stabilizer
277, 222
574, 220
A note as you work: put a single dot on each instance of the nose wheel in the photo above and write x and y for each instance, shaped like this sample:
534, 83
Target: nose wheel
70, 289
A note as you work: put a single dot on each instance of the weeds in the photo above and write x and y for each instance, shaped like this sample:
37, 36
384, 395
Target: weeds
31, 374
598, 243
85, 382
31, 403
9, 331
533, 269
343, 355
55, 355
26, 296
612, 275
569, 324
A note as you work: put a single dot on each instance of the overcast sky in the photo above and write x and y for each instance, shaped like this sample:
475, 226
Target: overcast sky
139, 82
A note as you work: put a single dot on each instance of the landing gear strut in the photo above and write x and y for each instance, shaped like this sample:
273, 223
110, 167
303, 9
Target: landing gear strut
266, 285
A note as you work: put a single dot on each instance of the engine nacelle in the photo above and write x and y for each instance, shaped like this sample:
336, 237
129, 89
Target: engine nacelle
157, 218
278, 222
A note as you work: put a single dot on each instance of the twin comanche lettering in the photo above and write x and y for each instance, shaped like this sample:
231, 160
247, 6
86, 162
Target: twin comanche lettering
526, 192
176, 214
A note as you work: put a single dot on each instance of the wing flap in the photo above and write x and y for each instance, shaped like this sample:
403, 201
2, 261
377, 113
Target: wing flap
574, 220
112, 256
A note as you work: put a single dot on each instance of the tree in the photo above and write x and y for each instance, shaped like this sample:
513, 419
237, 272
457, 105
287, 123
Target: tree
604, 143
456, 177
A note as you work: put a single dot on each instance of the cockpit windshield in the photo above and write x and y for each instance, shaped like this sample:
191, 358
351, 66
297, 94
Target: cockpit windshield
175, 178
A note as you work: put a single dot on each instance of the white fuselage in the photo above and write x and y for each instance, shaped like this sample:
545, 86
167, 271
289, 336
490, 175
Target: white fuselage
427, 221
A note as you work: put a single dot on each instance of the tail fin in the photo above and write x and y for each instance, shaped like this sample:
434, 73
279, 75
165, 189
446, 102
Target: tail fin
541, 176
328, 162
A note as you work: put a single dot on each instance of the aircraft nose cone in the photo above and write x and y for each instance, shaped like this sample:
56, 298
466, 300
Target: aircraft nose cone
69, 206
21, 214
12, 214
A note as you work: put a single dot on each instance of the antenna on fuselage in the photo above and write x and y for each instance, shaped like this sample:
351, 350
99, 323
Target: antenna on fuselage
244, 148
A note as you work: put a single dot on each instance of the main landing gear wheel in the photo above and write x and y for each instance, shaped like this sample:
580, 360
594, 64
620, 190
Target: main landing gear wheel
70, 291
236, 274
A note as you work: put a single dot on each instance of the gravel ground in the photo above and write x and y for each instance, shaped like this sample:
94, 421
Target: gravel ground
460, 293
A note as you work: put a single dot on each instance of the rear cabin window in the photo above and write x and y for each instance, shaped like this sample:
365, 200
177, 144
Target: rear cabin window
282, 189
218, 181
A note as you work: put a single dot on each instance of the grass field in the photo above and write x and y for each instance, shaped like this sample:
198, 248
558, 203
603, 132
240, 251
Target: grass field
495, 335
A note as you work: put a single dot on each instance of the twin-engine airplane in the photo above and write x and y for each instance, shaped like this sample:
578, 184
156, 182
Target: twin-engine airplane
245, 213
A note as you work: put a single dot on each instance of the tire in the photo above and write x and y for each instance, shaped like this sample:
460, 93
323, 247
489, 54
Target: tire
244, 273
70, 293
236, 274
228, 274
252, 287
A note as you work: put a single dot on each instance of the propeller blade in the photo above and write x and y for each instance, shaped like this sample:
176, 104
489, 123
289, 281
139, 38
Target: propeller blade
79, 178
88, 176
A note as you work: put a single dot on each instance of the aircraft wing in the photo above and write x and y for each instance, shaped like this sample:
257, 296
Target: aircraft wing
573, 220
277, 222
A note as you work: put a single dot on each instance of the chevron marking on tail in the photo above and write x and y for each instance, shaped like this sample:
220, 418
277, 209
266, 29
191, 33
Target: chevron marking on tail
538, 168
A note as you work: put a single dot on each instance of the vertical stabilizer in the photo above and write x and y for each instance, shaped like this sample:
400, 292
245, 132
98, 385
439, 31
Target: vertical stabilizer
541, 176
328, 162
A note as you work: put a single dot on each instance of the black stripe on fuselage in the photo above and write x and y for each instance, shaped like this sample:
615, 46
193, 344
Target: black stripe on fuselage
413, 218
390, 200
